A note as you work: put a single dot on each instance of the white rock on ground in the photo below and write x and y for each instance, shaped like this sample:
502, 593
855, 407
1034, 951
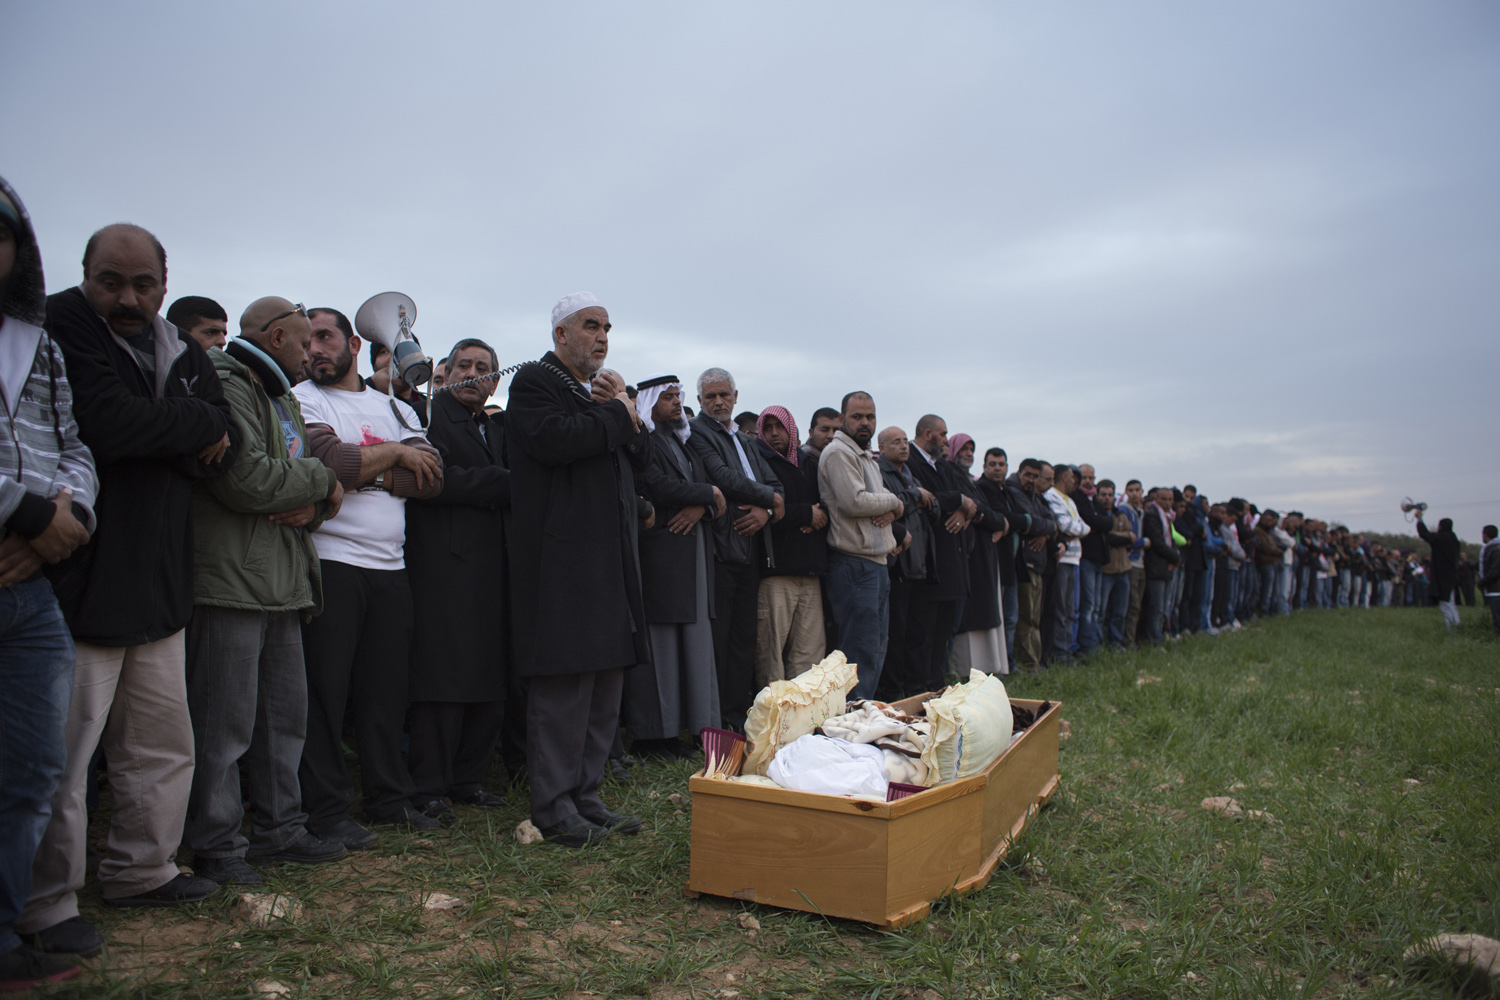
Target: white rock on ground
1474, 950
259, 909
441, 901
271, 988
527, 833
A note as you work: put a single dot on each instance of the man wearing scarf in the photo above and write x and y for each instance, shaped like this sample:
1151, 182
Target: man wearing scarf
789, 633
252, 583
680, 689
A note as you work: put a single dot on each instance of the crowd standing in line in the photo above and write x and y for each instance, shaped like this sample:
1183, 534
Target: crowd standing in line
216, 551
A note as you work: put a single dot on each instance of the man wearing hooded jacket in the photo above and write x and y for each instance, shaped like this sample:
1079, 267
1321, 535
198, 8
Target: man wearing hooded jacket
46, 508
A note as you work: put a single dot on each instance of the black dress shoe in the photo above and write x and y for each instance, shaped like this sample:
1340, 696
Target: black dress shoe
74, 936
575, 831
226, 871
439, 810
483, 799
615, 822
181, 890
617, 770
305, 850
349, 833
407, 819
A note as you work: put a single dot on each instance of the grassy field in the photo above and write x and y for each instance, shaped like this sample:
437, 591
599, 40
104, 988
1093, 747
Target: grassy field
1369, 736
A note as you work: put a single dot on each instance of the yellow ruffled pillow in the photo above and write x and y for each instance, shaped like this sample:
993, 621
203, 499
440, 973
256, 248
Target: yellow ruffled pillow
971, 726
789, 709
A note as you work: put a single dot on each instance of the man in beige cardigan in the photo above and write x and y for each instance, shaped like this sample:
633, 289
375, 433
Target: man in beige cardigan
860, 514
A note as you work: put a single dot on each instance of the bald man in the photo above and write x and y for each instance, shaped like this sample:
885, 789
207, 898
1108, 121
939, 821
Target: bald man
256, 575
150, 408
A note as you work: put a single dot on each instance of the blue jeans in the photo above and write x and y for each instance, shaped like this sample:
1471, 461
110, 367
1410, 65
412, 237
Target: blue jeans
1114, 602
1283, 590
1065, 598
1172, 621
36, 676
1232, 605
1090, 606
1155, 609
1010, 608
859, 591
1267, 574
1206, 604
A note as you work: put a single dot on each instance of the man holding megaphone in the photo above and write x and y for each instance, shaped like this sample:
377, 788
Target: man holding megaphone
376, 447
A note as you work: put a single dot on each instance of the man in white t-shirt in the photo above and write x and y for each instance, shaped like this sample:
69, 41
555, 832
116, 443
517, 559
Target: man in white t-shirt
358, 647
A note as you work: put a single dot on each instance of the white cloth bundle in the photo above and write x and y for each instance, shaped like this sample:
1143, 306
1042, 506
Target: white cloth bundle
830, 767
902, 739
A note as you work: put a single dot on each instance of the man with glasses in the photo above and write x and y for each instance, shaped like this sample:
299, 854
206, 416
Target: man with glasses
150, 408
253, 582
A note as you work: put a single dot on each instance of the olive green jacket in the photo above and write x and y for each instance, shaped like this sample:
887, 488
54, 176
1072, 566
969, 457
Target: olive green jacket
242, 559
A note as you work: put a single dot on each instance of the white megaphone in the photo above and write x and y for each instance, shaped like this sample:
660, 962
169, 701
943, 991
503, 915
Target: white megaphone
386, 319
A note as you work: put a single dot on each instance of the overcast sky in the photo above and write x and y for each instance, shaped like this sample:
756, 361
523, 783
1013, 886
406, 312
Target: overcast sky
1253, 247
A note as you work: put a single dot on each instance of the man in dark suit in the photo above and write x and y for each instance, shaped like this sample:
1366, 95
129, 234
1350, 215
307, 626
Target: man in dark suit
956, 505
1161, 555
455, 557
578, 622
733, 464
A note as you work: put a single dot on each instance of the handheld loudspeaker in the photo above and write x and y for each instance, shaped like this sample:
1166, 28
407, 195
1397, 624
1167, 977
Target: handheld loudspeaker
387, 319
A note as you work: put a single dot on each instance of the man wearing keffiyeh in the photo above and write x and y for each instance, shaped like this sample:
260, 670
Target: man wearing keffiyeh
789, 631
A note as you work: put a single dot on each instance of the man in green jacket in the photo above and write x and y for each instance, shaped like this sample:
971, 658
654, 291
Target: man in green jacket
255, 578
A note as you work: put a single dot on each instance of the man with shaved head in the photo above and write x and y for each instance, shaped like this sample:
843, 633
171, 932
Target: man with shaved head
151, 409
256, 575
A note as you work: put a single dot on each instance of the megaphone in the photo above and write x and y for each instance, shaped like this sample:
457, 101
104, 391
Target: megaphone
387, 319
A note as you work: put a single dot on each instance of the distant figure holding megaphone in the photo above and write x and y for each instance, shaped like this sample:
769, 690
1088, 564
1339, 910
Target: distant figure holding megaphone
1445, 548
376, 447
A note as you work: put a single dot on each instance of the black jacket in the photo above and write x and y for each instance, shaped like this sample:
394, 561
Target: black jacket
133, 584
1161, 555
1040, 525
1445, 550
948, 484
1095, 543
673, 479
721, 463
575, 583
455, 558
797, 554
982, 607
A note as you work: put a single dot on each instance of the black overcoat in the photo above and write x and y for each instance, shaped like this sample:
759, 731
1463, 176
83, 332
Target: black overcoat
455, 559
575, 583
944, 481
673, 479
982, 606
1161, 555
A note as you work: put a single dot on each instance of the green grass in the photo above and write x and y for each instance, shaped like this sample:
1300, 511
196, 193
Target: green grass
1370, 736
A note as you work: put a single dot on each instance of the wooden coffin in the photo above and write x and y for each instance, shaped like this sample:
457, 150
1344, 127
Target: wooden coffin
879, 862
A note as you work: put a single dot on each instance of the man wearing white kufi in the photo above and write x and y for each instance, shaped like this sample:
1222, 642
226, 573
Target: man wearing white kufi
571, 435
680, 691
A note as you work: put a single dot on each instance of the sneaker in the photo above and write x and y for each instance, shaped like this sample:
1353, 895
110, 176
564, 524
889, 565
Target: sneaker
349, 833
182, 889
439, 810
305, 850
74, 936
233, 870
21, 968
407, 819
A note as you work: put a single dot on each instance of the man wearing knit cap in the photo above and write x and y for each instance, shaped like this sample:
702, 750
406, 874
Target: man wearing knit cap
46, 507
252, 583
578, 618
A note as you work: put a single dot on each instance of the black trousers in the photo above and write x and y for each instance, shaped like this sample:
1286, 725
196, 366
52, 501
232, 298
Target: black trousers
1049, 611
513, 729
1192, 599
941, 617
736, 591
357, 652
907, 648
1221, 613
571, 721
450, 746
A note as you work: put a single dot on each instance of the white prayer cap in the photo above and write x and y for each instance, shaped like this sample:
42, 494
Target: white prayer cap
570, 304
